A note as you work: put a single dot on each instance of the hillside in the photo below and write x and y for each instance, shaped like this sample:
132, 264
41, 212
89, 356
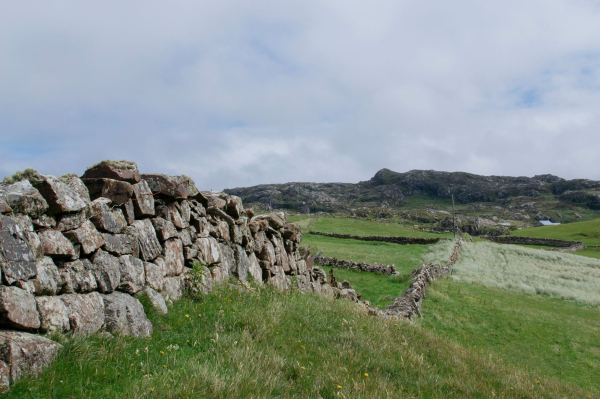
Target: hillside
388, 194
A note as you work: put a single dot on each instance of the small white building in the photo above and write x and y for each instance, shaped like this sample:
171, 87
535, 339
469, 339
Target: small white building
546, 223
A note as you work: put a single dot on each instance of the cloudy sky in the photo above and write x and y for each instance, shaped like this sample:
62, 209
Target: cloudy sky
238, 93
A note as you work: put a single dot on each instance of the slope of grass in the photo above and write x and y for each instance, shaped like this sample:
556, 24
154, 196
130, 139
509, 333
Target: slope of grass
553, 337
359, 227
405, 257
588, 232
530, 271
274, 345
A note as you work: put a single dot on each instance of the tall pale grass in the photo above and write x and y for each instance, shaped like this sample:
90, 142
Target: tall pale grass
531, 271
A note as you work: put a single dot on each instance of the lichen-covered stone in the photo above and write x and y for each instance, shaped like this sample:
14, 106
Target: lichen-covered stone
132, 274
202, 227
18, 309
219, 273
87, 235
254, 269
16, 258
107, 219
125, 315
185, 211
208, 250
35, 244
199, 280
53, 313
174, 287
72, 220
106, 270
177, 187
228, 258
60, 197
149, 245
76, 185
154, 275
173, 257
143, 200
118, 170
128, 211
118, 192
22, 197
27, 354
187, 236
242, 263
4, 208
156, 299
164, 229
121, 244
56, 245
48, 280
86, 312
176, 216
234, 206
77, 277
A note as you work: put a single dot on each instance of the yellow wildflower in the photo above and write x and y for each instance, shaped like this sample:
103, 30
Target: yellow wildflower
366, 374
339, 387
187, 315
162, 353
303, 368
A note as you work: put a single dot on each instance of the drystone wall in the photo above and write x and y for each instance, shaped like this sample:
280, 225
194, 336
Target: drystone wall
395, 240
362, 266
564, 245
409, 305
75, 252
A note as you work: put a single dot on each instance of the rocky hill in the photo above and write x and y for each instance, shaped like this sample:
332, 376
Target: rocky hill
389, 189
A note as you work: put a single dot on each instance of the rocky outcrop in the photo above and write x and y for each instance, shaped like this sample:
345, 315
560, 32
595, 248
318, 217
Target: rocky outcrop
395, 240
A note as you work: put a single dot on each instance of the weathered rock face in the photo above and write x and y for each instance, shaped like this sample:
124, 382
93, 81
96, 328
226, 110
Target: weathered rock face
22, 197
48, 280
121, 244
228, 259
174, 287
143, 199
60, 197
132, 274
71, 221
18, 309
254, 269
149, 245
105, 219
53, 313
128, 211
155, 276
77, 277
118, 192
86, 312
107, 271
173, 257
76, 185
125, 315
26, 353
177, 187
164, 229
156, 299
87, 235
208, 252
199, 280
56, 245
16, 258
242, 263
117, 170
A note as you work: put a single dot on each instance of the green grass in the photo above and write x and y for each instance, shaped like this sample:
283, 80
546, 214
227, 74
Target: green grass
548, 336
275, 345
376, 288
360, 227
588, 232
405, 257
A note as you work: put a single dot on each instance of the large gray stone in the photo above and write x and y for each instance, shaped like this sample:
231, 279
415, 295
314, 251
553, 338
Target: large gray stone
27, 354
77, 277
53, 313
125, 315
254, 269
118, 192
107, 219
187, 236
208, 250
16, 258
22, 197
199, 280
242, 263
35, 244
132, 274
86, 312
275, 220
234, 206
202, 226
164, 229
185, 211
268, 253
4, 208
143, 200
174, 260
107, 271
219, 273
118, 170
176, 216
149, 245
72, 220
128, 211
228, 258
87, 235
60, 197
76, 185
48, 280
18, 309
174, 287
56, 245
177, 187
155, 276
121, 244
156, 299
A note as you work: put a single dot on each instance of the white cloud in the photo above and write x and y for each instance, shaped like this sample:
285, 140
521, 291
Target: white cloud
240, 93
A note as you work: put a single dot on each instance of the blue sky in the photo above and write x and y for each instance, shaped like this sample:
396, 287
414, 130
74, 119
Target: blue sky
241, 93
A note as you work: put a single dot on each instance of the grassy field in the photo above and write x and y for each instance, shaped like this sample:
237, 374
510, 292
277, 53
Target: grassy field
359, 227
275, 345
547, 336
588, 232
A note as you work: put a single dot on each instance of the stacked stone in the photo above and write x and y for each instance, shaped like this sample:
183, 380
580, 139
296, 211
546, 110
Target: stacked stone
395, 240
75, 253
351, 265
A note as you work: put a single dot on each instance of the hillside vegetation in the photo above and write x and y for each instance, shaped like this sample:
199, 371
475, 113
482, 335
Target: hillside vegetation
267, 344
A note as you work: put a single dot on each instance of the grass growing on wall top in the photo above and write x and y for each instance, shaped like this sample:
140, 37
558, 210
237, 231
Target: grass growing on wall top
276, 345
556, 338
